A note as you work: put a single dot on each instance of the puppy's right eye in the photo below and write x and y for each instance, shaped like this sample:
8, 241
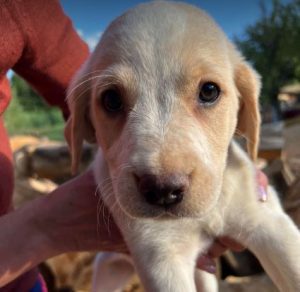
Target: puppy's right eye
111, 101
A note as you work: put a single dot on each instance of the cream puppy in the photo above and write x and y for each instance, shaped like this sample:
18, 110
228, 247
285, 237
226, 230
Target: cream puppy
163, 95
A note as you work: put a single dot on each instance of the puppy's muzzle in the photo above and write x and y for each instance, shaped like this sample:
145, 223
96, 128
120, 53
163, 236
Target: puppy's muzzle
163, 191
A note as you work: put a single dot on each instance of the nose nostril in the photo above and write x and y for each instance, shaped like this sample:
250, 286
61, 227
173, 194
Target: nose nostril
178, 191
153, 198
162, 191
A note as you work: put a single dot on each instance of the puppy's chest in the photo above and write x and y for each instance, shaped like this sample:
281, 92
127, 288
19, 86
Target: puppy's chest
182, 231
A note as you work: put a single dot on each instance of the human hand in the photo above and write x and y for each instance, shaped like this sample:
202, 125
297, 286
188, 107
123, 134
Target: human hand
63, 221
78, 220
262, 183
206, 261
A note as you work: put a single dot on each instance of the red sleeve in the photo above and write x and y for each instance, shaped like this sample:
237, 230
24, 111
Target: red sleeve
53, 51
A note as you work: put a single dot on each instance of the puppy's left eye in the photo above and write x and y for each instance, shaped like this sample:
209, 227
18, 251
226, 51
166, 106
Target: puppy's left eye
209, 93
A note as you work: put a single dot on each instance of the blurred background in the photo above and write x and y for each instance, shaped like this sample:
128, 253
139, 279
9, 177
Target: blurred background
266, 31
268, 34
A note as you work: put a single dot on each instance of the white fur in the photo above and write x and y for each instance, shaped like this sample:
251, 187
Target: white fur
158, 53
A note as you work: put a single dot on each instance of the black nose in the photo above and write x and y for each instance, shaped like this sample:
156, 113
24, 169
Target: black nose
163, 191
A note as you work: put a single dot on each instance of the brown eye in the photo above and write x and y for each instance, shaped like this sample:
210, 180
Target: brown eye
209, 93
111, 101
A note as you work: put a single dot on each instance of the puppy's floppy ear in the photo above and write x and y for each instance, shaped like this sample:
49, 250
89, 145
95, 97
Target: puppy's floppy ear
248, 85
79, 127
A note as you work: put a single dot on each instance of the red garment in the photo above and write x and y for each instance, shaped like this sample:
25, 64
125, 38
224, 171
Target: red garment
38, 42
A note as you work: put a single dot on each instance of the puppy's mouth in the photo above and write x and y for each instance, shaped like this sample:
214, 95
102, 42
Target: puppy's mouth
165, 214
155, 213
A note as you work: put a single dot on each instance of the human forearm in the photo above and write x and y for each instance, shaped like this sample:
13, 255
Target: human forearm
65, 220
43, 228
21, 246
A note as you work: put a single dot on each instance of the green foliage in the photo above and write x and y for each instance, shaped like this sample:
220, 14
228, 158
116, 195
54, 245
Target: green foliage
28, 99
29, 114
272, 45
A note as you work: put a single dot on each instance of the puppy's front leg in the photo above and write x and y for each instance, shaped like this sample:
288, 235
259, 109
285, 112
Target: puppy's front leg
164, 255
205, 282
277, 245
275, 240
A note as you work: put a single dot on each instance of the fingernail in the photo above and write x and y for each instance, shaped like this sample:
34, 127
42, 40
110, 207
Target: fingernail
263, 196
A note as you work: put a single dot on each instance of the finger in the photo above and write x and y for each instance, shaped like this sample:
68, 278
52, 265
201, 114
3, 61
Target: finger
230, 243
262, 181
206, 263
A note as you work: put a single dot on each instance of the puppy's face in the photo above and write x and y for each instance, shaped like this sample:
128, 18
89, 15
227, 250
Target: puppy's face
163, 89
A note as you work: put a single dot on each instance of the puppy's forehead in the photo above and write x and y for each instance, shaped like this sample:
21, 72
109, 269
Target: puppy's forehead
158, 35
